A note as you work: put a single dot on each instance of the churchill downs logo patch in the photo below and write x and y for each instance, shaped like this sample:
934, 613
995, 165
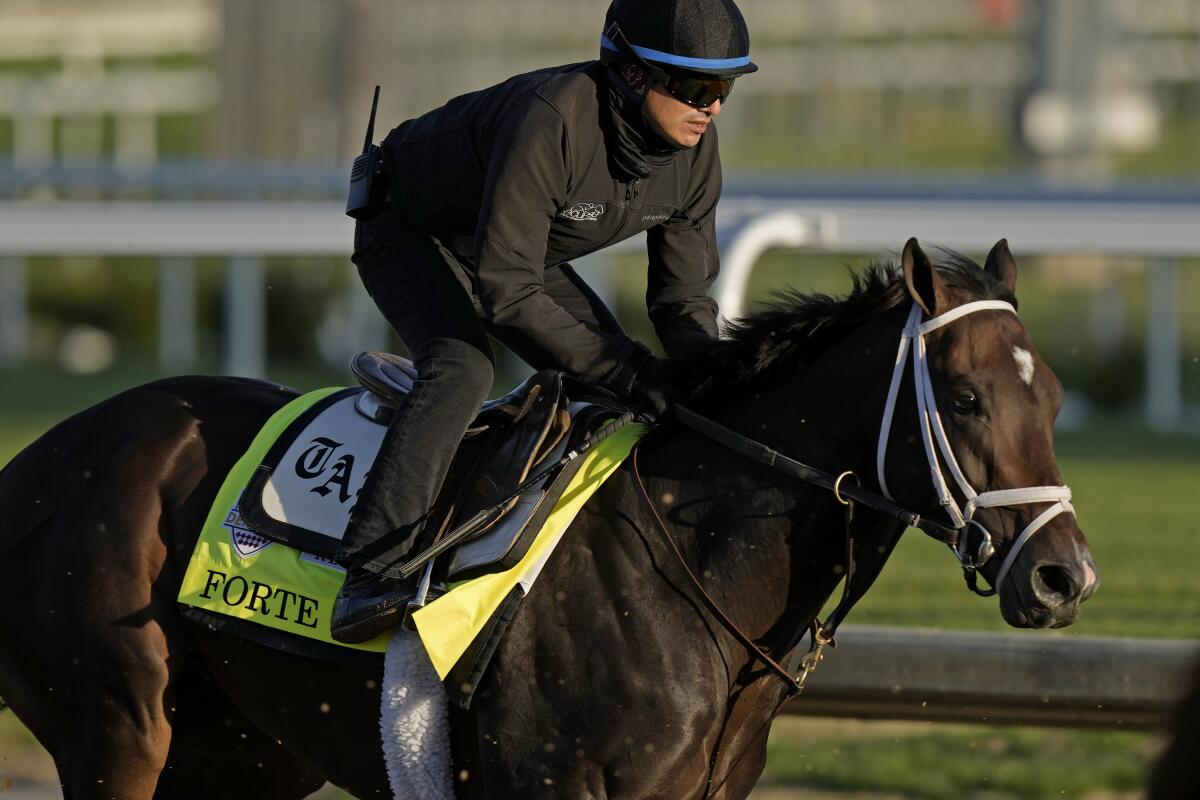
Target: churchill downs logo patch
583, 212
245, 541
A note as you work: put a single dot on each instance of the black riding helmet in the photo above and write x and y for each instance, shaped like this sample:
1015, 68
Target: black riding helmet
693, 48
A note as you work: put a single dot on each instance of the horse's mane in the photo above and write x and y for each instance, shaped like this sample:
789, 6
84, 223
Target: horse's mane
796, 327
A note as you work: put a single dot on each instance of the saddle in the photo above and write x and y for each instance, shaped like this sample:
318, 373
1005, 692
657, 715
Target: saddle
302, 492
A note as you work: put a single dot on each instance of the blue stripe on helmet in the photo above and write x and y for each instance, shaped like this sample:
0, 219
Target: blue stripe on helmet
680, 61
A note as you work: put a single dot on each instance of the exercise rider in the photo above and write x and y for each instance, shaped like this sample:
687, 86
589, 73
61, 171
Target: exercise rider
489, 198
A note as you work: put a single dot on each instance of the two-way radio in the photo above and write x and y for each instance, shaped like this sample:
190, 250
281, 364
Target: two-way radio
366, 196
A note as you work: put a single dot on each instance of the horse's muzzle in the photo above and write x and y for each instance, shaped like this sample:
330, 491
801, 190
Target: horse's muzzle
1049, 594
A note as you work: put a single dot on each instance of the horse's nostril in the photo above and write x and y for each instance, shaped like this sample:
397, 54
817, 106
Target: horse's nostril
1055, 585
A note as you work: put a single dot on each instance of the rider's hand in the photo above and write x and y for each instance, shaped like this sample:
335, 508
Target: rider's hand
652, 391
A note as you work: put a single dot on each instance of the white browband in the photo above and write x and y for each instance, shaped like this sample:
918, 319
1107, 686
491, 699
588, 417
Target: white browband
933, 436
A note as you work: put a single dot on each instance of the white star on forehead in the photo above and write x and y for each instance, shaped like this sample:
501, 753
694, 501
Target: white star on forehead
1024, 361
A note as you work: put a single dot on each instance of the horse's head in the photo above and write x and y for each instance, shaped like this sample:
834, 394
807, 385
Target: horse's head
982, 404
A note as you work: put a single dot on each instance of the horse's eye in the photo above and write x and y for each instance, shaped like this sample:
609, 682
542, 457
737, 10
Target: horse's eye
966, 402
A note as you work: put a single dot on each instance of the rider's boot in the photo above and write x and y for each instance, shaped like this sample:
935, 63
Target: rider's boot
372, 599
369, 604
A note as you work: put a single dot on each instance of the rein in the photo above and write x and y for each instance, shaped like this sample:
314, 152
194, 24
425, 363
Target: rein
757, 451
796, 673
771, 664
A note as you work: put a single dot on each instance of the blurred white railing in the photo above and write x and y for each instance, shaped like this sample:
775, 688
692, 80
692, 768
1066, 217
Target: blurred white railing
1161, 231
1028, 678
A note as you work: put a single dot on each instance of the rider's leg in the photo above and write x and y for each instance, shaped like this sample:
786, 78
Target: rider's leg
411, 282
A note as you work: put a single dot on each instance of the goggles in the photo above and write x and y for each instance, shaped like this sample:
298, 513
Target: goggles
698, 92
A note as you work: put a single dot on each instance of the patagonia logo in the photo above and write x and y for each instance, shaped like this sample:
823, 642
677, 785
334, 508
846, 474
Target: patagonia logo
583, 212
656, 218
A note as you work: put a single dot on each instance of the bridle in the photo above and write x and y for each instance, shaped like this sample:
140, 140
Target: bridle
935, 441
933, 435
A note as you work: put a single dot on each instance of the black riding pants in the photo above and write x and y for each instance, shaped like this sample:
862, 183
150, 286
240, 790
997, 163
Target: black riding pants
409, 277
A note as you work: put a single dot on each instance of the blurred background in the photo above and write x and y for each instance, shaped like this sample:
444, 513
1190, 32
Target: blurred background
172, 174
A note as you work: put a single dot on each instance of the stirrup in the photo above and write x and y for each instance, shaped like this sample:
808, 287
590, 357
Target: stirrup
425, 593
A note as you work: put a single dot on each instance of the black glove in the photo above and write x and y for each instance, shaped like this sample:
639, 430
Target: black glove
652, 390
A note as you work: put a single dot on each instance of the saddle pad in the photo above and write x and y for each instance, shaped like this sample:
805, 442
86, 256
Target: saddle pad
307, 483
237, 573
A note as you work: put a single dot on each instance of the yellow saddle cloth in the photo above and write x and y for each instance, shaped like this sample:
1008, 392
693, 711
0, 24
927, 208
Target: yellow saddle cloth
236, 573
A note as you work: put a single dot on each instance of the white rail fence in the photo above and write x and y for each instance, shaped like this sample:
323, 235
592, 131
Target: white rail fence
1031, 678
177, 233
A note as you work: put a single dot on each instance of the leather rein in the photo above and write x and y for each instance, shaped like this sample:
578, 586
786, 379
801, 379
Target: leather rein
796, 673
954, 536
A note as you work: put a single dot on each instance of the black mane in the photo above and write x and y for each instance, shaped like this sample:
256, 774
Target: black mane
796, 327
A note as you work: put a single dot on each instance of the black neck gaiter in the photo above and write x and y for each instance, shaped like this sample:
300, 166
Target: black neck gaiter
635, 147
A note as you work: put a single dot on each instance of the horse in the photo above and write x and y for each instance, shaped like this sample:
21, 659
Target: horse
645, 661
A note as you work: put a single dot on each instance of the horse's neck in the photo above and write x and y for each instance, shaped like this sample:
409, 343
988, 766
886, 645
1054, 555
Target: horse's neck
766, 543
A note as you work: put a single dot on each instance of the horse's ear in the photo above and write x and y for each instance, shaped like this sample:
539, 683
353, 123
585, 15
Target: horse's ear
924, 283
1002, 266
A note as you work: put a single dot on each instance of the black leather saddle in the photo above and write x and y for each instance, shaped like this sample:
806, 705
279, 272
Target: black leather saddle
512, 438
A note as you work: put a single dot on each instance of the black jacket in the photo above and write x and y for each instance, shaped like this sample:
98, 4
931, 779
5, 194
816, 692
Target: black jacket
516, 179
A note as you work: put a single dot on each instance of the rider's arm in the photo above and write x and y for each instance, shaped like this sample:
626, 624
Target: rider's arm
684, 261
526, 183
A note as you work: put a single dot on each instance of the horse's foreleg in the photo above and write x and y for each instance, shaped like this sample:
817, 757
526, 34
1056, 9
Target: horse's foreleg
119, 717
216, 752
100, 705
93, 645
114, 759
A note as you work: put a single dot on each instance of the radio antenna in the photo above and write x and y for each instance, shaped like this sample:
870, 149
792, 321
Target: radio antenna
371, 123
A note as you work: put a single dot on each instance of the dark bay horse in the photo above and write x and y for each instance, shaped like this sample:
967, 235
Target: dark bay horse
615, 679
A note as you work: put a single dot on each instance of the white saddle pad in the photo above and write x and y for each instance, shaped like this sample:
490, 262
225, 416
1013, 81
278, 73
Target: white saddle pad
315, 482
